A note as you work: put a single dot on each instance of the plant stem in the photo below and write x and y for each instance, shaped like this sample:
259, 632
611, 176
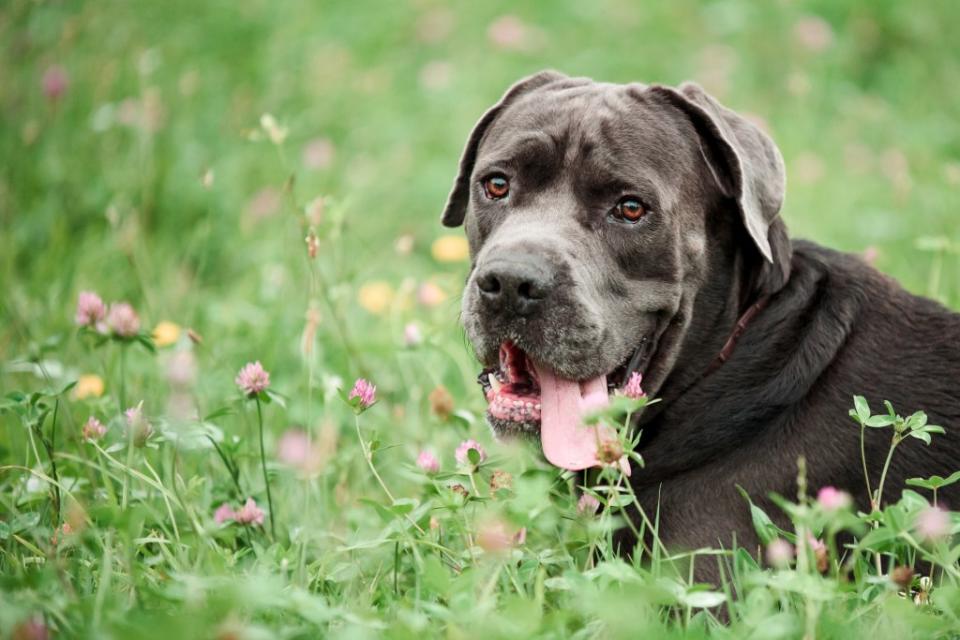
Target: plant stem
126, 476
369, 458
263, 464
231, 469
863, 459
866, 478
473, 484
886, 466
107, 482
876, 500
396, 568
122, 398
48, 449
51, 447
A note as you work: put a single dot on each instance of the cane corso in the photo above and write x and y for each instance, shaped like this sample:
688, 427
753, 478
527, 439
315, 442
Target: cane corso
619, 228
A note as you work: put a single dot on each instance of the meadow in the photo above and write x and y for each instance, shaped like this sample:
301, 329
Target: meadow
215, 218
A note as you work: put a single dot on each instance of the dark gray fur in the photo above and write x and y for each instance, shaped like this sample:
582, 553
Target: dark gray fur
679, 279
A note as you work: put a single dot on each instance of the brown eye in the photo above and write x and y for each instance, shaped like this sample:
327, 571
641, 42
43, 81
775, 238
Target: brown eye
496, 187
630, 209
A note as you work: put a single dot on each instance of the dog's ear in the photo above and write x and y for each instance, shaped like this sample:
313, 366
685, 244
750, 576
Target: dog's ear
456, 209
748, 168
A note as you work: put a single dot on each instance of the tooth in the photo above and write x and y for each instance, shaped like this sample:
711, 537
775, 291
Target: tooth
494, 383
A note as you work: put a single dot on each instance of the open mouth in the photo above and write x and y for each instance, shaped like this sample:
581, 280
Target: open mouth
512, 389
525, 396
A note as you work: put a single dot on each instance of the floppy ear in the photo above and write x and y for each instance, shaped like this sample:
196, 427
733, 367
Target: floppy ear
456, 208
748, 168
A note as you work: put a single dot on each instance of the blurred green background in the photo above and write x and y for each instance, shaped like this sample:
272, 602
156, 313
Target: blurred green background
137, 163
101, 186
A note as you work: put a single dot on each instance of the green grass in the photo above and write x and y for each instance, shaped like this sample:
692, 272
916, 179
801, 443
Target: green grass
102, 190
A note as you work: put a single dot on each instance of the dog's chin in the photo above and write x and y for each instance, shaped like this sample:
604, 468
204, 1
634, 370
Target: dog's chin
516, 431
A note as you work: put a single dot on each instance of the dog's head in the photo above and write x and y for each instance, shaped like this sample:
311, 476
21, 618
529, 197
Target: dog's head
597, 214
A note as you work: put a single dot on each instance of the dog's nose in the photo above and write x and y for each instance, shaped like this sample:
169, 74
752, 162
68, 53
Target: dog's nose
514, 286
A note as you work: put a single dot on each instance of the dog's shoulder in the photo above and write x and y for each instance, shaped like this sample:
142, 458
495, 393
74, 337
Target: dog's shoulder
841, 322
858, 286
886, 343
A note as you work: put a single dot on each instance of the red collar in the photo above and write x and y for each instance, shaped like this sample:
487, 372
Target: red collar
738, 330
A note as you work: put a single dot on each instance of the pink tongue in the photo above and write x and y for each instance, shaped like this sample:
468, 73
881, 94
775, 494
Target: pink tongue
566, 441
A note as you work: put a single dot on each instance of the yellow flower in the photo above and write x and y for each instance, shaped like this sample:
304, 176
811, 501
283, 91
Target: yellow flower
375, 297
89, 385
450, 249
166, 333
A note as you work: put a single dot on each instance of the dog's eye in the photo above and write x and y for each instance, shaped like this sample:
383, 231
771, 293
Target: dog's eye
496, 186
629, 209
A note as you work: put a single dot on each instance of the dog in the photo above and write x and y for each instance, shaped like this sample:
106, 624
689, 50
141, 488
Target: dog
620, 228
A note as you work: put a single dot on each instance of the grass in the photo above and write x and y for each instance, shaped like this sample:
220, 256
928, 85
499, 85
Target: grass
153, 178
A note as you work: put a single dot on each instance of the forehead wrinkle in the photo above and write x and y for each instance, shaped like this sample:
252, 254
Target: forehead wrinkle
582, 134
502, 147
640, 141
673, 137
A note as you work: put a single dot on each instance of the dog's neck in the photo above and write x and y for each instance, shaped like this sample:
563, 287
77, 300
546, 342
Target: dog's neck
742, 323
723, 308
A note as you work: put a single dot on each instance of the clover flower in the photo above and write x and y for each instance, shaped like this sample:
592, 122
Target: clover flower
587, 505
412, 335
495, 537
55, 82
253, 378
933, 523
500, 479
779, 553
296, 450
32, 629
441, 402
610, 452
363, 395
462, 453
820, 555
632, 388
429, 294
139, 428
902, 576
428, 462
90, 309
93, 429
224, 513
123, 320
249, 513
832, 499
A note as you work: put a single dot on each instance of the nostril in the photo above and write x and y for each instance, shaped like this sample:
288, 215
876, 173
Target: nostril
525, 290
531, 290
489, 284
